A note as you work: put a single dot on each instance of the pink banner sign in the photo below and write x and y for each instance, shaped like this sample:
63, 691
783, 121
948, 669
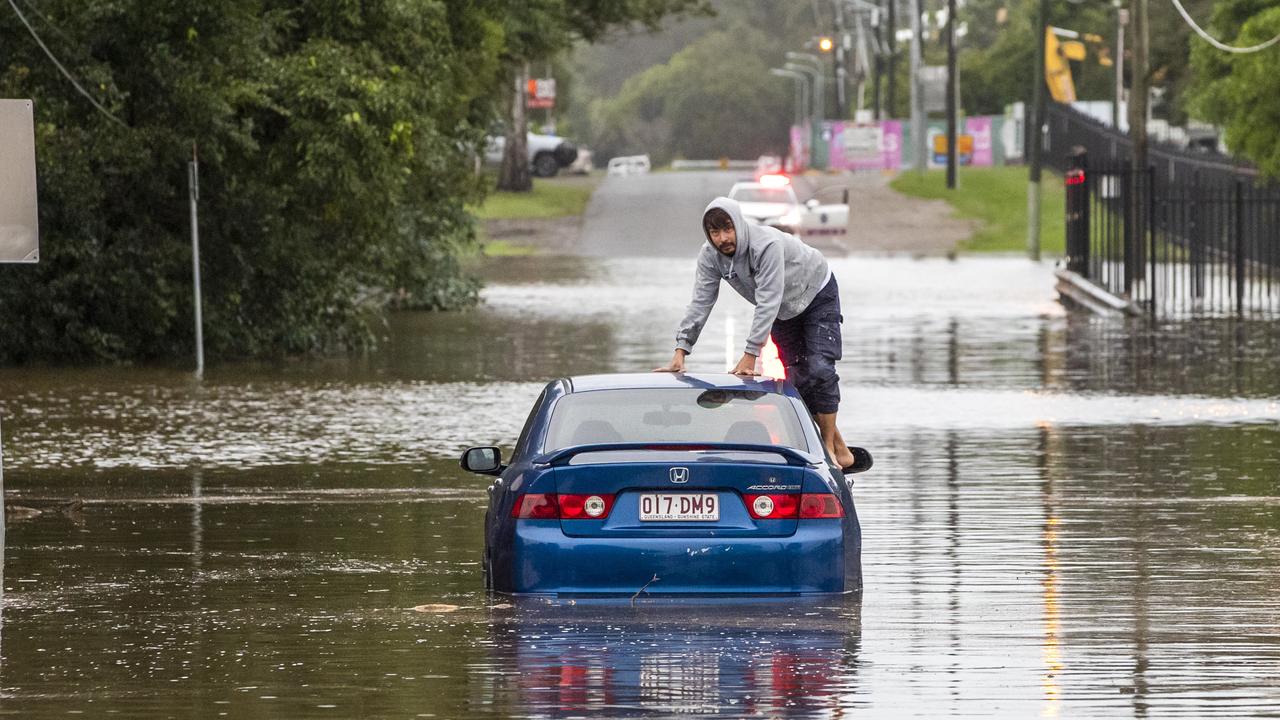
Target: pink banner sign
865, 146
980, 129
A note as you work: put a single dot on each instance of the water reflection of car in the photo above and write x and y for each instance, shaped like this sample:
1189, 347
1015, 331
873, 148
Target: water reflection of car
771, 201
671, 484
713, 656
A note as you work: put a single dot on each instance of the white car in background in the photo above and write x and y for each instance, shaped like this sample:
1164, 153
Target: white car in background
629, 165
547, 153
769, 202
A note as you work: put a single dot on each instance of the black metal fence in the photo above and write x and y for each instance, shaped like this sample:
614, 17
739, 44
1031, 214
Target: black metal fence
1069, 130
1172, 244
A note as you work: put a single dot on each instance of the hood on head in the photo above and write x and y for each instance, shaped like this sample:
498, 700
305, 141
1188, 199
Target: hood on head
735, 214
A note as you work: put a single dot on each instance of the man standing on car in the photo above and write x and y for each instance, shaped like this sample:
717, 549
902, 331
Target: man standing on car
796, 299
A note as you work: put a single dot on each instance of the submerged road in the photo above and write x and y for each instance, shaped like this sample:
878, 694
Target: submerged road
1068, 517
652, 215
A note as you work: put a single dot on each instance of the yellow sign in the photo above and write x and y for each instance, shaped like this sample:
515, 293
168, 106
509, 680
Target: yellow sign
964, 149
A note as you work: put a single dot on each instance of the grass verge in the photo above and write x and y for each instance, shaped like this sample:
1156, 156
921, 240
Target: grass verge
550, 198
996, 196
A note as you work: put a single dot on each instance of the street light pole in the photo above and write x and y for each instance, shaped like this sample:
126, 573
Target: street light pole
819, 81
1036, 140
891, 107
802, 91
819, 102
841, 72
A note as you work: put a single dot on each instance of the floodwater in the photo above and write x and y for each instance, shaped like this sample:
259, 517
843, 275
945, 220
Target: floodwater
1068, 517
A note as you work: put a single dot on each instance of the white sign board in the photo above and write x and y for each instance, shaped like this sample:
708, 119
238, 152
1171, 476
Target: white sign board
19, 234
933, 83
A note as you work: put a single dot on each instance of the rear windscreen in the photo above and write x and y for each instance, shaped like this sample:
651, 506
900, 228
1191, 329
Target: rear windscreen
674, 415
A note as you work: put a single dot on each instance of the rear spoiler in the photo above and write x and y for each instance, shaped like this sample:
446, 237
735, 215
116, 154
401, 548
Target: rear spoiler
563, 455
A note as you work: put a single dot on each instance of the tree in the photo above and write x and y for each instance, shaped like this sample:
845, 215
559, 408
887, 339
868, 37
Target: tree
538, 29
716, 92
1241, 92
337, 142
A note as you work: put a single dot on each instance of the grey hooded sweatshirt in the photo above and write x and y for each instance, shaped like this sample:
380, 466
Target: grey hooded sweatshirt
771, 269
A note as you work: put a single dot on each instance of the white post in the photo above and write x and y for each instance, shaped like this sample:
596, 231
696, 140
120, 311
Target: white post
1122, 19
193, 178
919, 134
2, 496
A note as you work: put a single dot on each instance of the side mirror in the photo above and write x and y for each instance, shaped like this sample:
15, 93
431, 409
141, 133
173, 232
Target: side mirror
861, 461
812, 203
483, 460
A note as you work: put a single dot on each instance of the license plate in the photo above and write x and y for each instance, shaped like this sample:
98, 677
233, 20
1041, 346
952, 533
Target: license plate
669, 507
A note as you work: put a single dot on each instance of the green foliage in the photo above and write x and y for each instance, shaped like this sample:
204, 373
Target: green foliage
1242, 91
336, 142
997, 197
699, 88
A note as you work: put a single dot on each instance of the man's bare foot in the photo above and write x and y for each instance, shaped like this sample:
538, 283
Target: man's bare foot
843, 457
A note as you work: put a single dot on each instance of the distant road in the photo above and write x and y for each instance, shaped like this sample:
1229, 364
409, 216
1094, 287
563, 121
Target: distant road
656, 215
653, 215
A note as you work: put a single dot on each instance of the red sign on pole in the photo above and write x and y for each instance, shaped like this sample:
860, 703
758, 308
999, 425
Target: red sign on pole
541, 93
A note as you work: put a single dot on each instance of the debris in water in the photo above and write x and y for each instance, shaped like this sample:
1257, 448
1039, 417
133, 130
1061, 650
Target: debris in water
435, 608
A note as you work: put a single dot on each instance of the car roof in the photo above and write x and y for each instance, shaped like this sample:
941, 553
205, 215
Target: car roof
660, 380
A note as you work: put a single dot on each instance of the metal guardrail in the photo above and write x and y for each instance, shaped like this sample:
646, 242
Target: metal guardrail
713, 164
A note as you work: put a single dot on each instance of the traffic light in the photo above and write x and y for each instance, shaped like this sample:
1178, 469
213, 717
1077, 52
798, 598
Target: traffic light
825, 44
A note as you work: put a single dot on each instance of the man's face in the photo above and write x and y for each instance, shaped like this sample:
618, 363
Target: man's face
726, 241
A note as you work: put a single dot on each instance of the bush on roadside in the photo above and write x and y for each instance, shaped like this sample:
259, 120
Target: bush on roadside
336, 144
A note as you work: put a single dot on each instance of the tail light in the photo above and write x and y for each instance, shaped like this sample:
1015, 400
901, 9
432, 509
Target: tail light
809, 506
585, 507
536, 506
550, 506
772, 507
820, 506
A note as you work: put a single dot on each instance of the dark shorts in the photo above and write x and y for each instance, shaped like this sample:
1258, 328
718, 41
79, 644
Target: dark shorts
809, 345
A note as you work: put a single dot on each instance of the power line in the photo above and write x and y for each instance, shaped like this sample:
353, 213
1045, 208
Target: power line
1209, 39
62, 69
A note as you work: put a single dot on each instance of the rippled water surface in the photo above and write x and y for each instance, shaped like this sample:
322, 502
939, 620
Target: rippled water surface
1068, 517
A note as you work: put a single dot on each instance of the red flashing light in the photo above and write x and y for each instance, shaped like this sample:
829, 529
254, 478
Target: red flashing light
774, 180
820, 506
1075, 177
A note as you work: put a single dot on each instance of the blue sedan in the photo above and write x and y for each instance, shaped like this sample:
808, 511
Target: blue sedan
669, 484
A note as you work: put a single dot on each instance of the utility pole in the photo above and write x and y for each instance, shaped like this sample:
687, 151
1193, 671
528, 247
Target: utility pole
1139, 101
951, 95
1035, 137
918, 135
892, 106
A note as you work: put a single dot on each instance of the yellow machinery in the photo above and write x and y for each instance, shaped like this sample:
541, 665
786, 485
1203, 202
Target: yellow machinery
1062, 46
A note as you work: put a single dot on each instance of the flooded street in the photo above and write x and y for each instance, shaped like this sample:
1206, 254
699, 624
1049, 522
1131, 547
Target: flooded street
1068, 517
